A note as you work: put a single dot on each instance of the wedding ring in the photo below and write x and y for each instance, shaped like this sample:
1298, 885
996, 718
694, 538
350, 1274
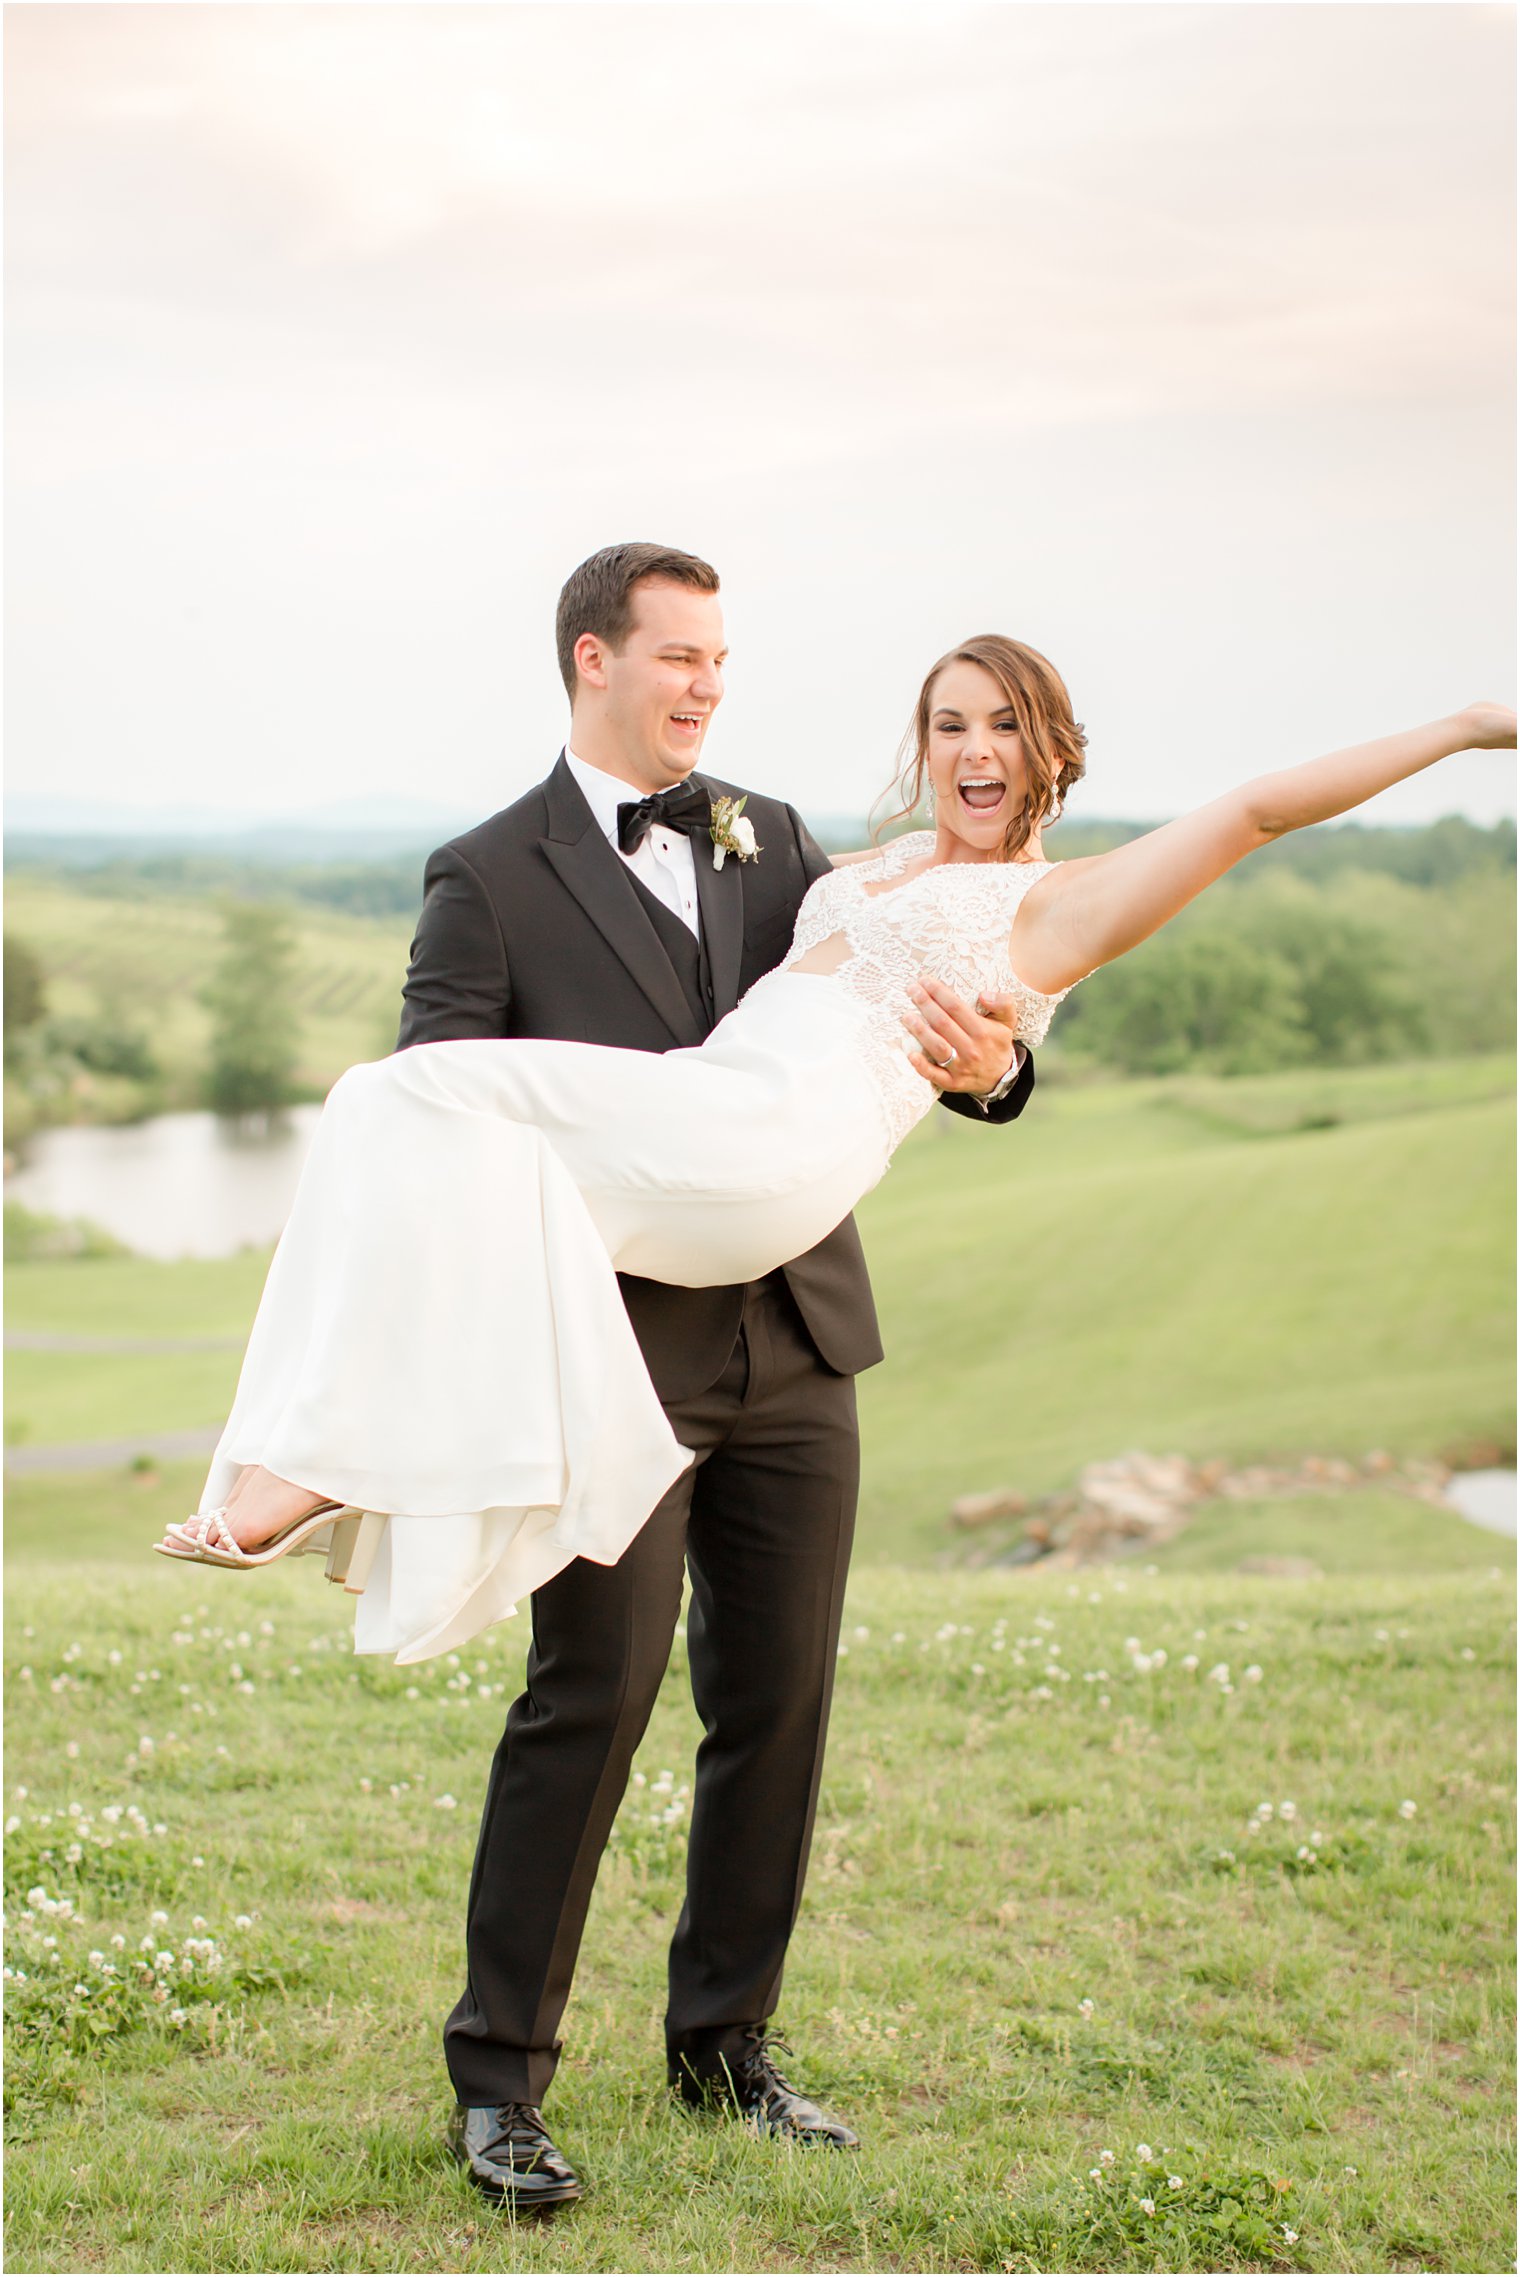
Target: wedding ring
954, 1054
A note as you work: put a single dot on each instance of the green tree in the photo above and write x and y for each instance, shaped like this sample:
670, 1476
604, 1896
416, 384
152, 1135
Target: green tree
255, 1025
1352, 971
25, 993
1189, 1000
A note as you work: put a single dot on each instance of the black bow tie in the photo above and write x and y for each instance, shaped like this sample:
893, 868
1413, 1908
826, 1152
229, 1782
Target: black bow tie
685, 807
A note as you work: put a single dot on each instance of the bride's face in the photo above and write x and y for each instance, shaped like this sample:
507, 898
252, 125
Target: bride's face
976, 758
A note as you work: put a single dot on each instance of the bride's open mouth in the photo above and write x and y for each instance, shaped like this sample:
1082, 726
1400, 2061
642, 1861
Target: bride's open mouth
983, 794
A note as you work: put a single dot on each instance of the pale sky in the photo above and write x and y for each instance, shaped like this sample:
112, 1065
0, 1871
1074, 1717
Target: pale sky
1175, 340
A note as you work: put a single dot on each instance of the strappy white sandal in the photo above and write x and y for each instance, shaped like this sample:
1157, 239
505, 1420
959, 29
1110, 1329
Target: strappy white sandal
207, 1539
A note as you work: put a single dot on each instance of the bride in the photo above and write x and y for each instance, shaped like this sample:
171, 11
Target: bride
442, 1390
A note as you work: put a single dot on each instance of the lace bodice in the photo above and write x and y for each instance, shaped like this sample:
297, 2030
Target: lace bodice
953, 922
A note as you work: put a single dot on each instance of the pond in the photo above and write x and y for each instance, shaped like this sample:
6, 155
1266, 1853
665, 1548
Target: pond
175, 1186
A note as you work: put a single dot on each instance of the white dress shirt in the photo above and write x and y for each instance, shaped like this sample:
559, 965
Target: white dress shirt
663, 859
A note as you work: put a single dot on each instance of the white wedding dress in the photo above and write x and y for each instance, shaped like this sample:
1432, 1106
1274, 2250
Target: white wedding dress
441, 1341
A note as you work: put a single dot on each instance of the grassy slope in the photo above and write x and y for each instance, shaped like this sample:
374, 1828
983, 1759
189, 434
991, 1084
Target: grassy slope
987, 1859
1136, 1268
152, 955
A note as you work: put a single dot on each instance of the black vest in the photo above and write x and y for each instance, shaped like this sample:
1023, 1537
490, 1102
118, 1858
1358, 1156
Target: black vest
688, 956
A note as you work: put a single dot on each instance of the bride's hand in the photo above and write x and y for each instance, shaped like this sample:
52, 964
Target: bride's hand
1488, 727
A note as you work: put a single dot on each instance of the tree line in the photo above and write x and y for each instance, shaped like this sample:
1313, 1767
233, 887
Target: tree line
1338, 946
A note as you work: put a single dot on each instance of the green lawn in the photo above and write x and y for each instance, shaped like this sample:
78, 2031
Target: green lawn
1038, 1934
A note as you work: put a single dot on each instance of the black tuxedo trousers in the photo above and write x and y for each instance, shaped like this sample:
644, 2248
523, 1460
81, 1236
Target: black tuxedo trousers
763, 1522
532, 926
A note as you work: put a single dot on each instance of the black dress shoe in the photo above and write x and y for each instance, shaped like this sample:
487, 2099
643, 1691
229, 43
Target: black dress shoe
508, 2153
747, 2084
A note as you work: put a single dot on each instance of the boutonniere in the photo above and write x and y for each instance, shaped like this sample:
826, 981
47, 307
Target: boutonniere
732, 832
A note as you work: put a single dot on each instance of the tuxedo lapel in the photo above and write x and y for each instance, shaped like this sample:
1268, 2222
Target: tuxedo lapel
587, 864
720, 898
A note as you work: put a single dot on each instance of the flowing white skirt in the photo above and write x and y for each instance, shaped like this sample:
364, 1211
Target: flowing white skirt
441, 1340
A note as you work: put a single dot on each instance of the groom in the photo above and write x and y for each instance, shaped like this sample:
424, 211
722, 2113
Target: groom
593, 909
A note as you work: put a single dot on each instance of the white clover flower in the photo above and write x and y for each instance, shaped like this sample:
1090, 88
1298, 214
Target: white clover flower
243, 1921
1407, 1810
1144, 2151
1316, 1838
197, 1921
179, 2017
444, 1803
71, 1750
1287, 1810
1107, 2157
1220, 1672
1094, 2173
119, 1942
1290, 2237
366, 1786
159, 1920
1252, 1675
1147, 2205
1084, 2008
1174, 2182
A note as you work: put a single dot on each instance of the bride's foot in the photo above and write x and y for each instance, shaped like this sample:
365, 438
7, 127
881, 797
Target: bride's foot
261, 1506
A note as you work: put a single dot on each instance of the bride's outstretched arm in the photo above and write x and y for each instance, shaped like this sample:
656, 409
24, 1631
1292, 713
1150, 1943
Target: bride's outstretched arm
1086, 913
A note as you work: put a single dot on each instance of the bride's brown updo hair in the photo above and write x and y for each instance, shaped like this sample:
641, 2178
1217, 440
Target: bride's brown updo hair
1053, 741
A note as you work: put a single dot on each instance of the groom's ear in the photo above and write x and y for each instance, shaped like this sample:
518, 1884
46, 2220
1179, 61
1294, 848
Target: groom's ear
590, 654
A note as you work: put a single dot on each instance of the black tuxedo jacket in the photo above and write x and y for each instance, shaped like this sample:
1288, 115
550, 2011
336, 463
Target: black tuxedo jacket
531, 925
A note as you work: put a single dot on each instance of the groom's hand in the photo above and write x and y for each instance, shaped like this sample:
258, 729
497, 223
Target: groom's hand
980, 1036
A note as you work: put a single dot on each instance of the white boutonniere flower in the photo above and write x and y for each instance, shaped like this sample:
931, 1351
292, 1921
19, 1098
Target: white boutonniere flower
732, 832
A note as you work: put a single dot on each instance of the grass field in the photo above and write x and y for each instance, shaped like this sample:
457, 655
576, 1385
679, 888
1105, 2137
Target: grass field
1040, 1933
151, 955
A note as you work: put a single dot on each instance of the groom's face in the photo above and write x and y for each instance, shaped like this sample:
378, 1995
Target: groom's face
657, 694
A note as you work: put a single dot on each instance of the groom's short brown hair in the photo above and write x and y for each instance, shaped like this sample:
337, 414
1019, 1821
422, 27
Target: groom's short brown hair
598, 597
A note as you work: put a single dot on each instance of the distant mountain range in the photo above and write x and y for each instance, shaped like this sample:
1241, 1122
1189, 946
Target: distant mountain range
399, 821
79, 831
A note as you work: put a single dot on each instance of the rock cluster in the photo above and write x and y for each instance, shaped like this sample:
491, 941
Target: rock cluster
1118, 1508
